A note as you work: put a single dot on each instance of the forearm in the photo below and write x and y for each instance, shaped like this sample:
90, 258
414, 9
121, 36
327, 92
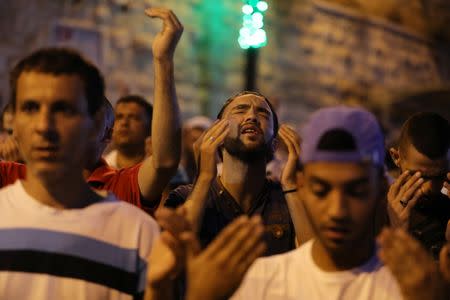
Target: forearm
196, 201
303, 228
157, 169
166, 127
199, 295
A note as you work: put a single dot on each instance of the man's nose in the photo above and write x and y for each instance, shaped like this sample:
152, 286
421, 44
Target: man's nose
45, 121
251, 115
45, 125
124, 121
338, 208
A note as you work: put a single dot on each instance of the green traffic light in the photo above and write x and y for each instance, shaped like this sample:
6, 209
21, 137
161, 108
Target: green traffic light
247, 9
262, 6
252, 33
252, 2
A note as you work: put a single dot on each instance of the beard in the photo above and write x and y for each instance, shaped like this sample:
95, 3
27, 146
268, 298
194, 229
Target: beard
236, 148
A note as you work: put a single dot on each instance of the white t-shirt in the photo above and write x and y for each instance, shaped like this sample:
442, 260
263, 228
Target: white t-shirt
111, 159
97, 252
294, 275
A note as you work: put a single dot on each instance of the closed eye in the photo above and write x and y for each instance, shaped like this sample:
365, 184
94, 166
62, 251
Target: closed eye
358, 189
241, 108
319, 188
264, 112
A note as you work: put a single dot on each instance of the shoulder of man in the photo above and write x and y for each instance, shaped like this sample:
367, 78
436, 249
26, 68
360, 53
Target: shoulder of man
267, 277
129, 212
274, 186
178, 196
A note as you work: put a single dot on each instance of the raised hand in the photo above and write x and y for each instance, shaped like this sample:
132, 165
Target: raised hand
209, 142
166, 40
217, 271
290, 183
292, 140
416, 272
205, 151
157, 169
166, 260
402, 197
167, 257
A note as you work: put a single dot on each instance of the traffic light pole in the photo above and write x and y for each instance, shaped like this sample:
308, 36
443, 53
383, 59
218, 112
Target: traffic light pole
251, 68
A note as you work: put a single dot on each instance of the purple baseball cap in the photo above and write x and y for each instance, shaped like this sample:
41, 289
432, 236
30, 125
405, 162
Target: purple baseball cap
356, 126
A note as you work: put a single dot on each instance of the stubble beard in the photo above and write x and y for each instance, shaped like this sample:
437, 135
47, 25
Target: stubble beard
236, 148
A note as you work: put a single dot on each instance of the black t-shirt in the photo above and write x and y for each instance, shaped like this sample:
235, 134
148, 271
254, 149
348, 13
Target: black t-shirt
221, 209
429, 222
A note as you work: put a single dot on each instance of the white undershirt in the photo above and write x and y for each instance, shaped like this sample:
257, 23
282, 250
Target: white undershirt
294, 275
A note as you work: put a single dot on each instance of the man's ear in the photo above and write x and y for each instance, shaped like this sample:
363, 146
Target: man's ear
395, 155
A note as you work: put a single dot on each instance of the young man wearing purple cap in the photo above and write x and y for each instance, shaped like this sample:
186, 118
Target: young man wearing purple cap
343, 154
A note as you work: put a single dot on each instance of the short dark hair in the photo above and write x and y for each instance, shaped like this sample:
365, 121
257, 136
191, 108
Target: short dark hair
428, 132
62, 61
274, 114
139, 100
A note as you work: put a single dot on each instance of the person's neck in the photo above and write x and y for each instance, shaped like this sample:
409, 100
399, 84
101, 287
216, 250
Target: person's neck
65, 192
345, 260
243, 180
90, 168
128, 157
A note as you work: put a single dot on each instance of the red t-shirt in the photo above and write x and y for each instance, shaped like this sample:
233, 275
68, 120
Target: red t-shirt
10, 172
123, 183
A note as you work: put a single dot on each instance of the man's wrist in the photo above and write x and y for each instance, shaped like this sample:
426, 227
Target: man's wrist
196, 294
288, 186
206, 177
163, 60
289, 191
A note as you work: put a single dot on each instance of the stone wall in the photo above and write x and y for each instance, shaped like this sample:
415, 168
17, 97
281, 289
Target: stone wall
318, 53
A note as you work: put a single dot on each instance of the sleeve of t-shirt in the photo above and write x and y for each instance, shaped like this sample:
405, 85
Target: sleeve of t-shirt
125, 185
178, 196
10, 172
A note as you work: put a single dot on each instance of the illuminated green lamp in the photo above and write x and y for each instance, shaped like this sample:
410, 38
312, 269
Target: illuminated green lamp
252, 33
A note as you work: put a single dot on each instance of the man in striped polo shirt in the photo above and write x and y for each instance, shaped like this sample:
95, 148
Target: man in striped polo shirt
59, 239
